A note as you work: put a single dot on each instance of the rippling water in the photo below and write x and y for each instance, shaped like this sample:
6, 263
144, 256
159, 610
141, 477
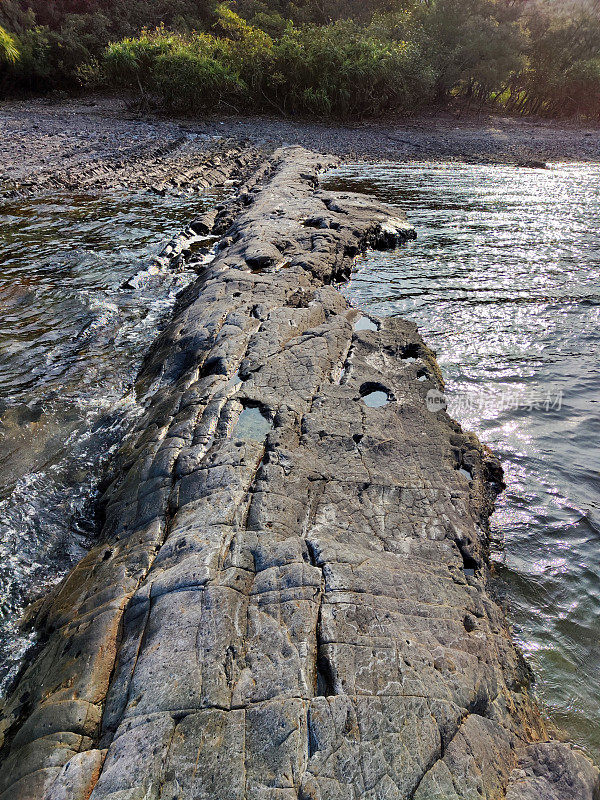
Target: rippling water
504, 282
71, 342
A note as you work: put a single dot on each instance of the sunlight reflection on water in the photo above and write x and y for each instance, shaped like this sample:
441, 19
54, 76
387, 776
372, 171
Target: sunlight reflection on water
71, 343
504, 282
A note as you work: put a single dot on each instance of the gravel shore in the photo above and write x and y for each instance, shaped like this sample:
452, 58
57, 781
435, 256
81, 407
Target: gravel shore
97, 144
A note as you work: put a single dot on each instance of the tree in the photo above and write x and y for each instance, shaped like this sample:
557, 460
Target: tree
474, 45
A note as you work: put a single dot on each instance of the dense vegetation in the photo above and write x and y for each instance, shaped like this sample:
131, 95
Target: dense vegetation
324, 57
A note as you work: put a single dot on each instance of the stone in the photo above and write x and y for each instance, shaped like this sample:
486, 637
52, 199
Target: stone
304, 610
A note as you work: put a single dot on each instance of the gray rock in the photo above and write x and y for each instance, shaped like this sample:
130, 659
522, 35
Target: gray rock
301, 611
553, 771
204, 224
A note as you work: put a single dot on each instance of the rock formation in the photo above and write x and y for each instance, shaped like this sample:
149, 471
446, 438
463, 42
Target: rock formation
290, 598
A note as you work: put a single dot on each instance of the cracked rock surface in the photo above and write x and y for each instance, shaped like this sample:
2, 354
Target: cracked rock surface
52, 151
290, 596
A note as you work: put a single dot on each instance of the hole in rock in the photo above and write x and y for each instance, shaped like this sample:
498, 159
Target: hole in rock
253, 424
410, 352
365, 324
214, 366
465, 473
316, 222
469, 563
469, 623
375, 395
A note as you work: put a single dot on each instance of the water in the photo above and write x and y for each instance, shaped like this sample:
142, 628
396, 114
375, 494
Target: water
504, 282
365, 324
376, 399
252, 425
71, 342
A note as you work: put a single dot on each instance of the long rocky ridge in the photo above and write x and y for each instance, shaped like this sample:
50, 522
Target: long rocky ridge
290, 597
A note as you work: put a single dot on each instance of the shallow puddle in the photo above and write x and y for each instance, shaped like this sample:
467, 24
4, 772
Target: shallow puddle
252, 425
376, 399
365, 324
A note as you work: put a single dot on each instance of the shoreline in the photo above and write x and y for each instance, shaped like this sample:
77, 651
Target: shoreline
95, 144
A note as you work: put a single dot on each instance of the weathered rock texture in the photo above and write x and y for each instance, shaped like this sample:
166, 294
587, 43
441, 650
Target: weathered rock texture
290, 598
102, 155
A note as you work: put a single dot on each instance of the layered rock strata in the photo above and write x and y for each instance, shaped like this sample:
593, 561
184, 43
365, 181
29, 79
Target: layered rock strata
291, 594
157, 161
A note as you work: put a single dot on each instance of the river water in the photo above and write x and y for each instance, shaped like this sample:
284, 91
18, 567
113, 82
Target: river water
71, 343
504, 283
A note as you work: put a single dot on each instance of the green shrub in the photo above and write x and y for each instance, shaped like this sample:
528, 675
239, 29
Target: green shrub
180, 72
61, 37
346, 70
9, 52
474, 46
32, 70
562, 76
247, 50
348, 58
50, 59
270, 22
581, 86
341, 69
